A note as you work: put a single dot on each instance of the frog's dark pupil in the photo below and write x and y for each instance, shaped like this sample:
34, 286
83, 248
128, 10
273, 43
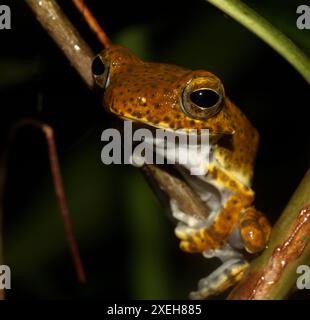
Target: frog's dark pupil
204, 98
98, 67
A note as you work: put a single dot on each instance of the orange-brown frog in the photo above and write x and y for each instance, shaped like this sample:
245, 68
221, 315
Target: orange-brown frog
169, 97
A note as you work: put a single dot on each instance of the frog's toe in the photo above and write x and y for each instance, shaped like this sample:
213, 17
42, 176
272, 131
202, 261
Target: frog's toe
227, 275
254, 230
184, 232
192, 240
190, 247
195, 240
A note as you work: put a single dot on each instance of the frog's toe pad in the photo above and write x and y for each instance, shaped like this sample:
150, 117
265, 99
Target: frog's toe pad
192, 240
254, 229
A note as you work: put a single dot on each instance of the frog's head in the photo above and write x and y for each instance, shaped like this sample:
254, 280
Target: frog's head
161, 95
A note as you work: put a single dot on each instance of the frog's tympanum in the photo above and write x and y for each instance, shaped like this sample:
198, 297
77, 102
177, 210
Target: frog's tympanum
169, 97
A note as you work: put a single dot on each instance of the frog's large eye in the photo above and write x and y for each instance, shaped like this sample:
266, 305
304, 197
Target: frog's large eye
202, 98
100, 71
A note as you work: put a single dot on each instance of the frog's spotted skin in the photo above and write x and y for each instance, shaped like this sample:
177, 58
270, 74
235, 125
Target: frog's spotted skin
151, 94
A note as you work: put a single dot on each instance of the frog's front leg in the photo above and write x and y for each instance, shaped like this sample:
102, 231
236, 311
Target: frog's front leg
253, 228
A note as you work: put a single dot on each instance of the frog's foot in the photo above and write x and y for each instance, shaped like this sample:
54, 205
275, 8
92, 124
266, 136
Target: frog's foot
193, 239
254, 230
194, 235
192, 231
227, 275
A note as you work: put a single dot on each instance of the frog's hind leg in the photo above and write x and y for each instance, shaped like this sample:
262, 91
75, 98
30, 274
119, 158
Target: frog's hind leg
224, 277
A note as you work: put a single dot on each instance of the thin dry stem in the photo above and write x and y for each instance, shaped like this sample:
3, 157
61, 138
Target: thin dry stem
92, 23
59, 188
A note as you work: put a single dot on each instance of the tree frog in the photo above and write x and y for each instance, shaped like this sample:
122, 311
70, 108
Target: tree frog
170, 97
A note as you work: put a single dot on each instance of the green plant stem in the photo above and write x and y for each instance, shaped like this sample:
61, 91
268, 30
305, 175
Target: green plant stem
267, 32
273, 275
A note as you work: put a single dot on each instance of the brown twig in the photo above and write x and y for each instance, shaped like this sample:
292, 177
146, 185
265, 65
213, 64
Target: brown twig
65, 35
58, 185
62, 201
175, 188
92, 23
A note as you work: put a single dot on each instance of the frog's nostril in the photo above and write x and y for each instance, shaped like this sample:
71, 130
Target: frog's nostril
204, 98
98, 67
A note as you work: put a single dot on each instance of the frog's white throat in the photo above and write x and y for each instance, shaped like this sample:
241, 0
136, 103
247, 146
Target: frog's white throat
195, 173
192, 153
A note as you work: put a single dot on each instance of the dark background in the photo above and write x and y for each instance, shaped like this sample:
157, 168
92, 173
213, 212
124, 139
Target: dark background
127, 241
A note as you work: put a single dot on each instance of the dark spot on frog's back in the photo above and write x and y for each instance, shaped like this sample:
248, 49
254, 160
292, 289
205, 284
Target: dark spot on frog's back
178, 125
137, 114
166, 90
129, 69
172, 125
166, 119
